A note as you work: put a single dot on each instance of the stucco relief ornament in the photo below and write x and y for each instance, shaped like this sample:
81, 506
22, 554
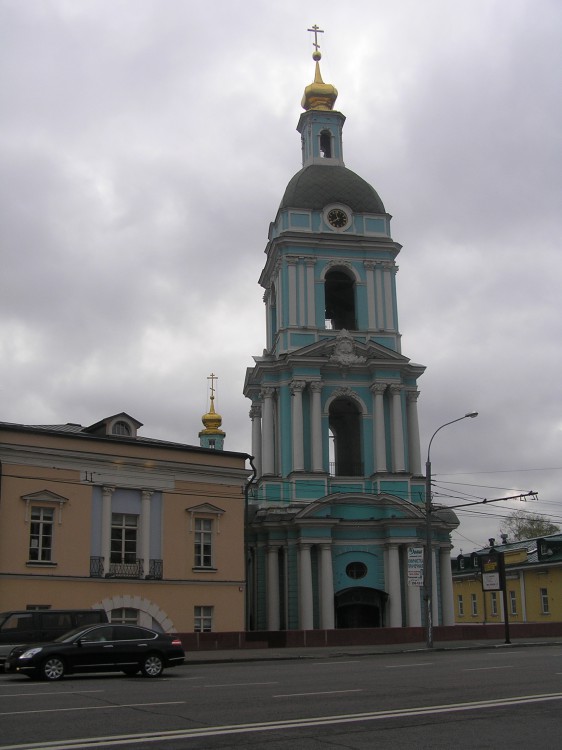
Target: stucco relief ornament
344, 350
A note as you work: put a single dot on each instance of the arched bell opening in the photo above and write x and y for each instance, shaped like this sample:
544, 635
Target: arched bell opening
339, 290
345, 431
326, 144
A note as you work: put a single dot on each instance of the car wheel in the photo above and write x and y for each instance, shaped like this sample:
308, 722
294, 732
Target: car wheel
52, 669
130, 671
152, 666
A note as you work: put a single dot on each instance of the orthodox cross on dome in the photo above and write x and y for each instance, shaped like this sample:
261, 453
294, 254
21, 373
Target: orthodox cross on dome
212, 377
316, 30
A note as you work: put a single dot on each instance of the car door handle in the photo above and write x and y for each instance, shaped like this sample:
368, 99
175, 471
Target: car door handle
141, 645
108, 645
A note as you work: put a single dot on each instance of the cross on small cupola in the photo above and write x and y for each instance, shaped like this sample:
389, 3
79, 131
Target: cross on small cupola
318, 95
212, 436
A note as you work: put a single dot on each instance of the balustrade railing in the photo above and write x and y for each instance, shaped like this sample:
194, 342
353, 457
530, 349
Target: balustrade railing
126, 570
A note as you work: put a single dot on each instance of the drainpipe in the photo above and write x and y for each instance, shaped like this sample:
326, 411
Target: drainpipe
249, 483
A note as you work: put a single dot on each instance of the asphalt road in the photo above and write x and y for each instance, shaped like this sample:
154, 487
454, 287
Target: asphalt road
445, 699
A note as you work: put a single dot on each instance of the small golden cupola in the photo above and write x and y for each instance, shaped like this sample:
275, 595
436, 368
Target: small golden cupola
318, 95
212, 436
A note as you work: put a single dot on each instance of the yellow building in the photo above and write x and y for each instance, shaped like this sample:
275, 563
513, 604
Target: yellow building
99, 516
533, 583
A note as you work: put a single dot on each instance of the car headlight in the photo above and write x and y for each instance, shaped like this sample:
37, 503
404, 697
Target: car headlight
30, 652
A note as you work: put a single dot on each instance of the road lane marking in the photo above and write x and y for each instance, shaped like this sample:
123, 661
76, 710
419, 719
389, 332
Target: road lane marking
214, 731
486, 669
326, 692
45, 693
324, 663
239, 684
89, 708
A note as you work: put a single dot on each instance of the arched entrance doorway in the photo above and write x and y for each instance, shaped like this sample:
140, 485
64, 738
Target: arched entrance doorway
360, 608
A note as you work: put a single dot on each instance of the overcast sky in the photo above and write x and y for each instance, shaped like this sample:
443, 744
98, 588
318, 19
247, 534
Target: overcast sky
145, 146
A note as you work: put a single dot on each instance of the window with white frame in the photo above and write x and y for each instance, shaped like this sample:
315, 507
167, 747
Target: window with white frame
125, 616
494, 604
41, 534
545, 610
473, 604
203, 543
460, 605
124, 531
203, 619
513, 602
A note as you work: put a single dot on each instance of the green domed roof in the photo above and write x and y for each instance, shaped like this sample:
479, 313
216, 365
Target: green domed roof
316, 186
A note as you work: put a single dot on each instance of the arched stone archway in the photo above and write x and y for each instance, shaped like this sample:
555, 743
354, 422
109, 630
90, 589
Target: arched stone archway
150, 614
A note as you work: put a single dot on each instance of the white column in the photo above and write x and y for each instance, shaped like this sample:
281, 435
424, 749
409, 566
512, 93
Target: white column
107, 492
268, 315
316, 426
255, 416
292, 271
397, 428
311, 302
389, 269
380, 436
306, 618
394, 598
379, 296
273, 588
413, 600
145, 531
268, 440
279, 296
447, 600
326, 588
414, 433
370, 274
301, 318
297, 387
434, 589
414, 607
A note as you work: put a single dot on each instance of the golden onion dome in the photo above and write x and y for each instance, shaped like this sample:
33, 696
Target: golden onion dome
212, 421
319, 95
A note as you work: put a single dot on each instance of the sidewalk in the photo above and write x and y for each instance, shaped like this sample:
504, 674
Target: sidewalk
335, 652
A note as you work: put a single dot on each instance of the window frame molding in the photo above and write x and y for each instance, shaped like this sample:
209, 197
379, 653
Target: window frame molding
44, 498
205, 512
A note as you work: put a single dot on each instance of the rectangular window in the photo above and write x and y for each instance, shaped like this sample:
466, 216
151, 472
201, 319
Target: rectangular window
203, 619
494, 604
473, 604
544, 602
460, 605
123, 538
203, 543
125, 616
513, 602
41, 534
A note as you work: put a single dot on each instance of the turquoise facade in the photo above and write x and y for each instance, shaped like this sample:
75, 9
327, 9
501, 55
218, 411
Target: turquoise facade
339, 495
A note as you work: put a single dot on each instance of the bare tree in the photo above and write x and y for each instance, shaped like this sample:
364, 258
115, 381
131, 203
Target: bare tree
524, 525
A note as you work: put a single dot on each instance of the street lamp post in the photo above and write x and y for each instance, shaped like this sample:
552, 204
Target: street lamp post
428, 558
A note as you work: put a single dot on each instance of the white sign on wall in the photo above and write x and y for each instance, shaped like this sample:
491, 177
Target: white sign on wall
415, 566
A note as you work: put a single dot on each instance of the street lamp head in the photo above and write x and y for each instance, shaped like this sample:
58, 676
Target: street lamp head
471, 414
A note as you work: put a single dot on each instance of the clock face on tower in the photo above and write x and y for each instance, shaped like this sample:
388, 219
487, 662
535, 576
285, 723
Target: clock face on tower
337, 217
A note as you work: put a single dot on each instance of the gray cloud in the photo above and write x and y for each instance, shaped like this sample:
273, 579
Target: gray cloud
145, 148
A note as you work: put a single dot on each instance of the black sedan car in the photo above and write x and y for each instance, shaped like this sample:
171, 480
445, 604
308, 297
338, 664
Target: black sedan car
99, 648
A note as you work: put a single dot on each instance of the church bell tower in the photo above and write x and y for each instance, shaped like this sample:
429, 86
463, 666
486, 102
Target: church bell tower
339, 496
